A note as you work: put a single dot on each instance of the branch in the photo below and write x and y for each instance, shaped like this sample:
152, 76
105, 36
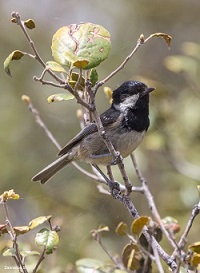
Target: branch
182, 242
151, 202
48, 133
121, 66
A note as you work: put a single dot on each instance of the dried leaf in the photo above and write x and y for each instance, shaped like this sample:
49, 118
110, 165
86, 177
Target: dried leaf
165, 36
30, 24
131, 257
21, 230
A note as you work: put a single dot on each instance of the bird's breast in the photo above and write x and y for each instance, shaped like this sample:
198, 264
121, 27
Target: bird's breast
128, 142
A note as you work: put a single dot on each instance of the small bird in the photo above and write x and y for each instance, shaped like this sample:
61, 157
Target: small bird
125, 123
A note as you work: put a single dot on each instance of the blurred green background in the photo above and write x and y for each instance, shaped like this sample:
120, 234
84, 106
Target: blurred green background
169, 155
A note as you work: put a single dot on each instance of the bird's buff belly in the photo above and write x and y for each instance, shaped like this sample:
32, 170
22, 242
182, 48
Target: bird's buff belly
125, 144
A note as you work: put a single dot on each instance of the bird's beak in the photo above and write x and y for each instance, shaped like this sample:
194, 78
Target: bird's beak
147, 91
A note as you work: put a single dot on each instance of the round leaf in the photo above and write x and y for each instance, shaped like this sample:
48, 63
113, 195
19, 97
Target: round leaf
131, 257
121, 229
47, 238
60, 97
85, 45
195, 247
195, 260
138, 224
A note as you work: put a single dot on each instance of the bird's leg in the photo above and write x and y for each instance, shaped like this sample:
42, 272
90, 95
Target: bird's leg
113, 185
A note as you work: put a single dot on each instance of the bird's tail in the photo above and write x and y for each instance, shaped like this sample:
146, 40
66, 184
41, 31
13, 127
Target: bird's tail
44, 175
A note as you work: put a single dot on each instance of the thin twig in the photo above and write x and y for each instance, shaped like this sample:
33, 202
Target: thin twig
48, 133
120, 67
42, 257
181, 243
151, 202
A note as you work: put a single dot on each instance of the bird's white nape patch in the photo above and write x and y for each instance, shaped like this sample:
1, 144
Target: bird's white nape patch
129, 102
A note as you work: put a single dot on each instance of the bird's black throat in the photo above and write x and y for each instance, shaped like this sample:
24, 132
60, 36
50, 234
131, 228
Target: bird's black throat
137, 117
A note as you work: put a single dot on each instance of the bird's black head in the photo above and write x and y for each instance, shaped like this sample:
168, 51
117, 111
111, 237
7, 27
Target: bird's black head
131, 93
132, 99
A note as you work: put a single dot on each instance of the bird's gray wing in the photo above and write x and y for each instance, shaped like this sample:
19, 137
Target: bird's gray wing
89, 129
108, 118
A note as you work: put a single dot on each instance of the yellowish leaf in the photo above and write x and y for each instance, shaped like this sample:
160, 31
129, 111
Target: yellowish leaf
138, 224
21, 230
195, 247
121, 229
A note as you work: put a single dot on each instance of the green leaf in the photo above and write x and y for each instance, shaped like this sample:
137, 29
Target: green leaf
38, 221
85, 45
47, 238
27, 253
30, 24
54, 66
9, 252
93, 76
15, 55
60, 97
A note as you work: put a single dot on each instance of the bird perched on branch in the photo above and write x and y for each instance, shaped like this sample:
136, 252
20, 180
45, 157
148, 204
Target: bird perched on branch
125, 124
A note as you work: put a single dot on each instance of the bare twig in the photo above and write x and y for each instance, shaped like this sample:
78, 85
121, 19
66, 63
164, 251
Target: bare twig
151, 202
40, 122
182, 242
121, 66
41, 258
